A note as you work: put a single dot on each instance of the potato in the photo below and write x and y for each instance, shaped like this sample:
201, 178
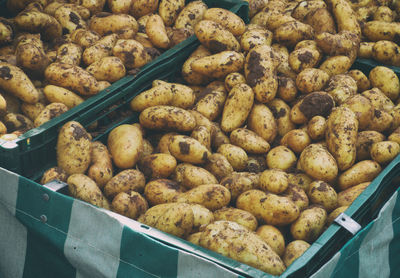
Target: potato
365, 139
103, 47
120, 7
281, 157
54, 173
140, 8
32, 110
203, 135
346, 197
13, 80
292, 32
239, 182
15, 122
309, 226
108, 69
125, 181
106, 23
130, 204
31, 57
190, 15
318, 163
189, 150
101, 169
336, 65
215, 37
159, 165
281, 112
363, 171
341, 87
219, 65
173, 218
201, 216
225, 236
362, 81
73, 148
344, 43
254, 37
334, 214
169, 10
365, 50
268, 208
242, 217
211, 196
73, 78
311, 80
218, 138
84, 38
132, 53
380, 30
125, 144
84, 188
155, 29
301, 180
7, 31
345, 16
194, 238
386, 80
296, 140
261, 121
190, 76
237, 107
316, 127
395, 136
161, 191
51, 111
383, 14
304, 58
274, 181
341, 136
193, 176
211, 103
362, 108
294, 250
62, 95
260, 71
385, 151
313, 104
273, 237
249, 141
386, 52
219, 165
226, 19
297, 195
167, 117
287, 89
236, 156
35, 21
321, 193
69, 19
321, 20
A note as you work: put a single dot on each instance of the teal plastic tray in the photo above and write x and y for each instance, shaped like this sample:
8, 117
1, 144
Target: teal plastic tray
34, 151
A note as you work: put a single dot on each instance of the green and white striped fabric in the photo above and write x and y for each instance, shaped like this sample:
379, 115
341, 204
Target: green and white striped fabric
372, 252
46, 234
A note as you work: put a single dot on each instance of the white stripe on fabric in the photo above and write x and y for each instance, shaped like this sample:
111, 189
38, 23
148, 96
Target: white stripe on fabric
327, 269
8, 189
13, 235
193, 266
93, 242
374, 249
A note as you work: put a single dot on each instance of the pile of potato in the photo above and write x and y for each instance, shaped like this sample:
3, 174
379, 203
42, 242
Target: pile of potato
271, 137
56, 54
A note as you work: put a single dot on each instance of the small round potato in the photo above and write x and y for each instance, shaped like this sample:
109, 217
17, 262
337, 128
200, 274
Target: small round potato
321, 193
161, 191
365, 139
386, 80
296, 140
51, 111
287, 89
273, 237
108, 69
309, 226
297, 195
125, 181
158, 165
294, 250
237, 183
361, 79
385, 151
281, 157
130, 204
219, 165
311, 80
274, 180
236, 156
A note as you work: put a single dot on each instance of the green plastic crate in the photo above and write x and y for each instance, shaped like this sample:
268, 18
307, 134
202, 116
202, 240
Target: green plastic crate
34, 151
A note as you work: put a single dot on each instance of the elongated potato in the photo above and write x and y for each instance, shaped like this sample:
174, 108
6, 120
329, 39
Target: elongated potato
386, 80
101, 169
281, 112
242, 217
292, 32
203, 135
188, 149
31, 56
346, 197
69, 19
211, 196
101, 48
215, 37
385, 151
32, 110
161, 191
321, 193
125, 181
125, 143
73, 78
190, 15
219, 65
201, 216
345, 16
309, 226
274, 180
254, 37
62, 95
169, 10
16, 82
211, 104
239, 182
237, 107
167, 117
130, 204
225, 236
122, 24
273, 237
294, 250
73, 148
227, 19
108, 69
193, 176
236, 156
268, 207
155, 30
363, 171
379, 30
336, 65
341, 136
85, 189
261, 120
51, 111
158, 165
249, 141
362, 108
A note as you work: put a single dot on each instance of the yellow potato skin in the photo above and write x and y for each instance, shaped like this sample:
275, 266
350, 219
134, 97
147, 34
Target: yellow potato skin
140, 8
281, 112
311, 80
108, 69
211, 196
85, 189
212, 104
219, 165
122, 24
223, 236
236, 156
294, 250
169, 10
336, 65
158, 165
32, 110
362, 108
273, 237
249, 141
345, 16
346, 197
132, 53
385, 151
125, 181
321, 193
101, 169
365, 139
386, 80
125, 143
73, 148
193, 176
69, 53
363, 171
239, 182
261, 120
54, 173
84, 38
51, 111
268, 207
62, 95
296, 140
281, 157
309, 226
189, 150
15, 122
242, 217
298, 195
99, 49
130, 204
160, 191
203, 135
155, 30
226, 19
274, 181
190, 15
